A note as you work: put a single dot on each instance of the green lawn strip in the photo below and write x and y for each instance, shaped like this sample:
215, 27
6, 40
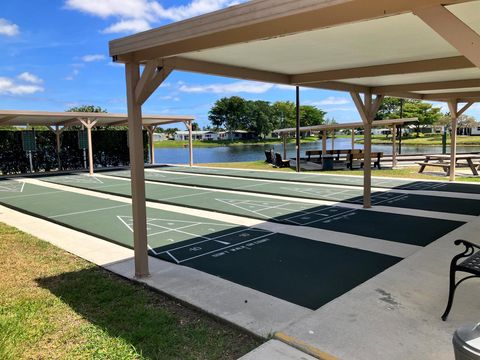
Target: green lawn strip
54, 305
426, 140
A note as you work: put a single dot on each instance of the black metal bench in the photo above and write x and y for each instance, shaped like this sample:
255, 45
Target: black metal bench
269, 156
470, 265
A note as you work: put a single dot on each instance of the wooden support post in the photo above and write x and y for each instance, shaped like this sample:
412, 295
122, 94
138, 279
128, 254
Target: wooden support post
394, 146
58, 132
333, 139
151, 130
284, 146
455, 114
188, 124
140, 242
89, 124
297, 128
324, 142
353, 139
367, 110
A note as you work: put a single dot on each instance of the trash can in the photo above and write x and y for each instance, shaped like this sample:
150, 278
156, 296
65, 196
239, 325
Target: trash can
466, 342
327, 162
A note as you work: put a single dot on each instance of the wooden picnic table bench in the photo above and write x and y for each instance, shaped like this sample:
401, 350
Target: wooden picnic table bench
359, 158
443, 162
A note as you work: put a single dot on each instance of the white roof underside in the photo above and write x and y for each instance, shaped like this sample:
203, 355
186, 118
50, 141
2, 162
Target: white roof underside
44, 118
393, 39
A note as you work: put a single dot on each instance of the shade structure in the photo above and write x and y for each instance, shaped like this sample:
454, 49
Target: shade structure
420, 49
59, 121
46, 118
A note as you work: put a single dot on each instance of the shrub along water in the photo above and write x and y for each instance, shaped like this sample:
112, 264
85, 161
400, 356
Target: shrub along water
109, 149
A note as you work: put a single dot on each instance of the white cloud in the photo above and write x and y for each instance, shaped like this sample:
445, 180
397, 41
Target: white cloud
332, 100
8, 28
169, 97
235, 87
93, 57
13, 87
31, 78
72, 75
140, 15
128, 26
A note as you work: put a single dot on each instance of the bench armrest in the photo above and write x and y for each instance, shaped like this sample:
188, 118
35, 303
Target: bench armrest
469, 248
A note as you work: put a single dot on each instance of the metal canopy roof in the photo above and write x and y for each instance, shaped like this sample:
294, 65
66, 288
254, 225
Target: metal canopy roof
34, 118
378, 46
354, 125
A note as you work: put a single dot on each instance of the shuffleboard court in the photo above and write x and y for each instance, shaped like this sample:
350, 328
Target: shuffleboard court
352, 195
352, 221
305, 272
403, 184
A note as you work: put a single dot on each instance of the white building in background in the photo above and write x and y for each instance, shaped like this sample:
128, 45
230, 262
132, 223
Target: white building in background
213, 135
159, 136
196, 135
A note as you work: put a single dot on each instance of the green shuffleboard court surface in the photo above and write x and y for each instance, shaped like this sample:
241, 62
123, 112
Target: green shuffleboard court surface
353, 221
304, 272
404, 184
311, 191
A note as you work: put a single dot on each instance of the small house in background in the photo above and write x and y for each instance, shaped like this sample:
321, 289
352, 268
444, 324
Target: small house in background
196, 135
236, 135
160, 136
472, 130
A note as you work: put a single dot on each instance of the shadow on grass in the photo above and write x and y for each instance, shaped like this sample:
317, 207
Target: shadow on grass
156, 326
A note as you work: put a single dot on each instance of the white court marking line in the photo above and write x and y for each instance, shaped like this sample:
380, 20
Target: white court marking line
220, 249
30, 195
81, 179
187, 195
327, 218
88, 211
227, 201
189, 224
228, 234
9, 189
281, 206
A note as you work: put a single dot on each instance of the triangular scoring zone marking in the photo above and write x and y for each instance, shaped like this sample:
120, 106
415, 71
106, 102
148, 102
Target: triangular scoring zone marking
12, 186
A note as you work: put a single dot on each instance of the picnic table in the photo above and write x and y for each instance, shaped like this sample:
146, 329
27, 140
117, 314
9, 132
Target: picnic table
443, 161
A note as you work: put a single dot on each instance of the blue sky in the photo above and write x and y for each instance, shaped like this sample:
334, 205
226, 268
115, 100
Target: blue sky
55, 55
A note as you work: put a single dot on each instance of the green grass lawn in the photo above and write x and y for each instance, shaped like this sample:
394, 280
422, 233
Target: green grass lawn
54, 305
217, 143
428, 140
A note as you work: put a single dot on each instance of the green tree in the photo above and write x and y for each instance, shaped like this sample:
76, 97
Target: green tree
311, 115
195, 126
284, 113
229, 113
87, 108
259, 117
425, 112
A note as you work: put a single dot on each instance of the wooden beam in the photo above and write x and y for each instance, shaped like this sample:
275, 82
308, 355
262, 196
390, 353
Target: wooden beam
439, 85
238, 72
453, 107
119, 123
453, 30
148, 71
255, 20
152, 84
67, 122
452, 95
6, 119
411, 67
464, 108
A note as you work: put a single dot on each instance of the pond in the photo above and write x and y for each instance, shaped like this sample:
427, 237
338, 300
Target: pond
256, 152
